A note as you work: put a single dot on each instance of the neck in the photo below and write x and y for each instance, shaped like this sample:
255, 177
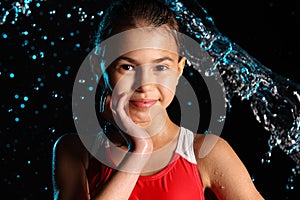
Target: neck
166, 135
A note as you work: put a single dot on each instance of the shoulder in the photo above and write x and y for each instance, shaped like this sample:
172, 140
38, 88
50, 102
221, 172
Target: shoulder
213, 155
69, 147
209, 145
221, 169
69, 165
67, 142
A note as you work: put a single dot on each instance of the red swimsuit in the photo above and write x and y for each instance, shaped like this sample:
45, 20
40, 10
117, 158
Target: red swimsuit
180, 180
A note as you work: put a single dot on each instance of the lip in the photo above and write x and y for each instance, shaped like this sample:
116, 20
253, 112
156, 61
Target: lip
142, 103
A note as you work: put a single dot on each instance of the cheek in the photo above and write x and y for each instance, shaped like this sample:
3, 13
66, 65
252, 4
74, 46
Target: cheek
167, 97
112, 78
122, 83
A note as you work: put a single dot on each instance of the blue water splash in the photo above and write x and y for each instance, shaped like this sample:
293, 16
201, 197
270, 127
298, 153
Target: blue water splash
274, 99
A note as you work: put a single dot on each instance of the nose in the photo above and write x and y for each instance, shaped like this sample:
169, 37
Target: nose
145, 80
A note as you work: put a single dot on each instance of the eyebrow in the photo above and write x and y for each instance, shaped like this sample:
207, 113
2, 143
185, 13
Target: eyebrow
158, 60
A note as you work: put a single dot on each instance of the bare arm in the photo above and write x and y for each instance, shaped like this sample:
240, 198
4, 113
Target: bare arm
70, 161
224, 173
123, 181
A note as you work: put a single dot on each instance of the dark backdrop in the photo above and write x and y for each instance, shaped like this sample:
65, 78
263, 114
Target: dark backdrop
39, 59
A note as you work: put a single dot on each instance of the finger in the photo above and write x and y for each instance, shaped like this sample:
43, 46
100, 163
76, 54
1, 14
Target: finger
121, 104
121, 101
111, 105
120, 116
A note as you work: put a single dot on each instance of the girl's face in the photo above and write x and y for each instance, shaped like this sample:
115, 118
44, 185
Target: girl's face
148, 73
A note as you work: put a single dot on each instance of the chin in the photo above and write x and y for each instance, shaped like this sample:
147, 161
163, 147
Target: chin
141, 118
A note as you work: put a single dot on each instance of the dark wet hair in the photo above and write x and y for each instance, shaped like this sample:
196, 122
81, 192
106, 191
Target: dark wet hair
126, 14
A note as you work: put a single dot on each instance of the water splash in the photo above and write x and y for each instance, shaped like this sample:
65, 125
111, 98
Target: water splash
275, 100
17, 9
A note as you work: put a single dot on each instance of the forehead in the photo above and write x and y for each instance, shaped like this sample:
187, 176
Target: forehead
131, 40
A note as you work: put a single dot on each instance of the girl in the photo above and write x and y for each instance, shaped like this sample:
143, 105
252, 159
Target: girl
146, 155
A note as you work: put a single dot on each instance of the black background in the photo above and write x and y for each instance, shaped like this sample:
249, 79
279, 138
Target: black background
267, 30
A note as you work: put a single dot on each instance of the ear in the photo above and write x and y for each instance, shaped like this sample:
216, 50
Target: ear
181, 65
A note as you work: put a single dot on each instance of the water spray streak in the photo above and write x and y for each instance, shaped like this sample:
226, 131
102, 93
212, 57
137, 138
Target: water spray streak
274, 99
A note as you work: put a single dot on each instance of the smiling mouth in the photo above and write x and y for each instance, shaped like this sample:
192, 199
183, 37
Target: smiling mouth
142, 103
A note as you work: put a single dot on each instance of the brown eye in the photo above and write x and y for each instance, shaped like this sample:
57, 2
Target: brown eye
127, 67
